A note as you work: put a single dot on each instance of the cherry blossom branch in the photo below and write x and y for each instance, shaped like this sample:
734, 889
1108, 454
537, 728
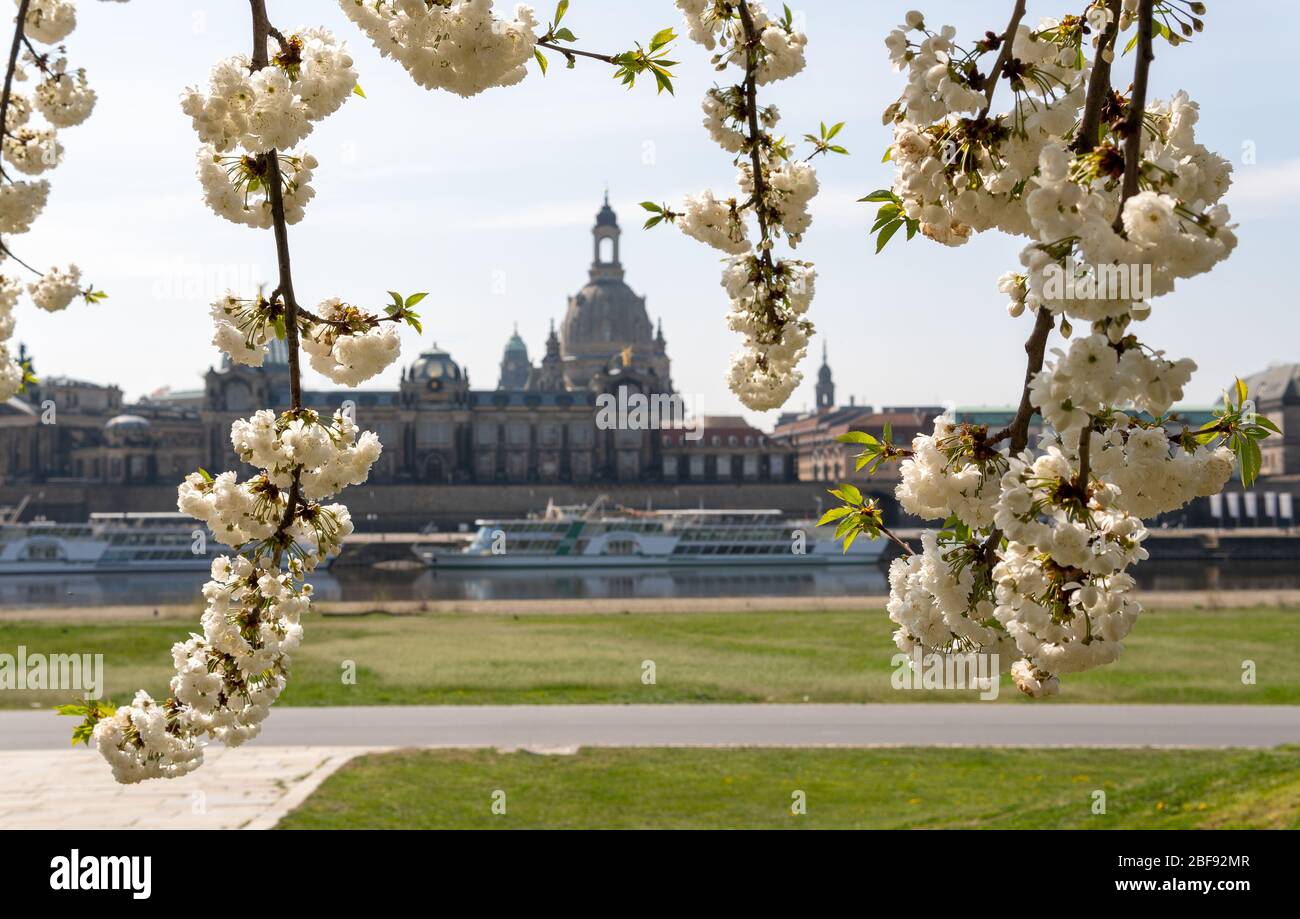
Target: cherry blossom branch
1004, 55
1099, 83
567, 52
1134, 124
20, 35
750, 89
262, 30
897, 540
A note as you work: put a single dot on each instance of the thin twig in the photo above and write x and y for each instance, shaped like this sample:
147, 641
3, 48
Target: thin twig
1135, 124
571, 52
750, 89
902, 543
262, 30
1098, 83
1004, 55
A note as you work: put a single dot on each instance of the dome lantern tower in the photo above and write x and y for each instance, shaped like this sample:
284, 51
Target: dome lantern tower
606, 228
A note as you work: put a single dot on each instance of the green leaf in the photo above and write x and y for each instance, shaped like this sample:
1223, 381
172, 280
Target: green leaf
835, 129
880, 195
661, 38
850, 493
887, 234
1241, 392
565, 35
541, 60
835, 513
561, 10
415, 298
1251, 460
661, 78
358, 91
651, 207
857, 437
652, 222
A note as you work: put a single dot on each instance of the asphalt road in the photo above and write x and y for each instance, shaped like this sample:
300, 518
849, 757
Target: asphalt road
559, 726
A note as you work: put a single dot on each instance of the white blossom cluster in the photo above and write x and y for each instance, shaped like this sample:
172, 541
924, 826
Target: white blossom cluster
714, 22
235, 187
1153, 477
56, 288
941, 479
937, 608
1033, 562
226, 679
1062, 589
276, 107
456, 45
343, 353
1094, 375
64, 99
769, 296
768, 307
11, 372
246, 114
332, 456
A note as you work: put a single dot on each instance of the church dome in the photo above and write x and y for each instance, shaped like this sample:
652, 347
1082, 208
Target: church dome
606, 316
127, 423
516, 344
435, 364
127, 429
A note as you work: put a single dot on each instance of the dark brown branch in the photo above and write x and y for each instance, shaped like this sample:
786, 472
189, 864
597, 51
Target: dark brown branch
751, 113
1135, 124
1085, 459
750, 89
20, 35
262, 30
574, 52
1098, 83
897, 540
1004, 55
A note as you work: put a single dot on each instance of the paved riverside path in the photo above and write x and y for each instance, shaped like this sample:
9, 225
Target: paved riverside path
812, 725
46, 784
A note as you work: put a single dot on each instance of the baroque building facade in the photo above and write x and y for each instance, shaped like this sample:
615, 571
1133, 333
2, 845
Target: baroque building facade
540, 423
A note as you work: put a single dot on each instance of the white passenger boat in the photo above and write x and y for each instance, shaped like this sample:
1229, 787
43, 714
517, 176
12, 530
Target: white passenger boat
109, 542
585, 536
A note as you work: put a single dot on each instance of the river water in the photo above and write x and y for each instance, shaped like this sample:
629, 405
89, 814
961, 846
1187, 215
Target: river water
373, 585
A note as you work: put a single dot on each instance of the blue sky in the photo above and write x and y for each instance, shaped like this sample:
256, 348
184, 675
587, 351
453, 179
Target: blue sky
487, 203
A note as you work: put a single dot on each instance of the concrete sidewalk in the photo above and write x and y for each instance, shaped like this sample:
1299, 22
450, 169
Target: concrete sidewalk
245, 788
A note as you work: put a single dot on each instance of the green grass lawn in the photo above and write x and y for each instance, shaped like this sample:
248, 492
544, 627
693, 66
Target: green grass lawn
1192, 656
708, 788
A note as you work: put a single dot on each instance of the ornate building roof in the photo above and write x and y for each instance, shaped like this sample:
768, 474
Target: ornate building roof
606, 317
